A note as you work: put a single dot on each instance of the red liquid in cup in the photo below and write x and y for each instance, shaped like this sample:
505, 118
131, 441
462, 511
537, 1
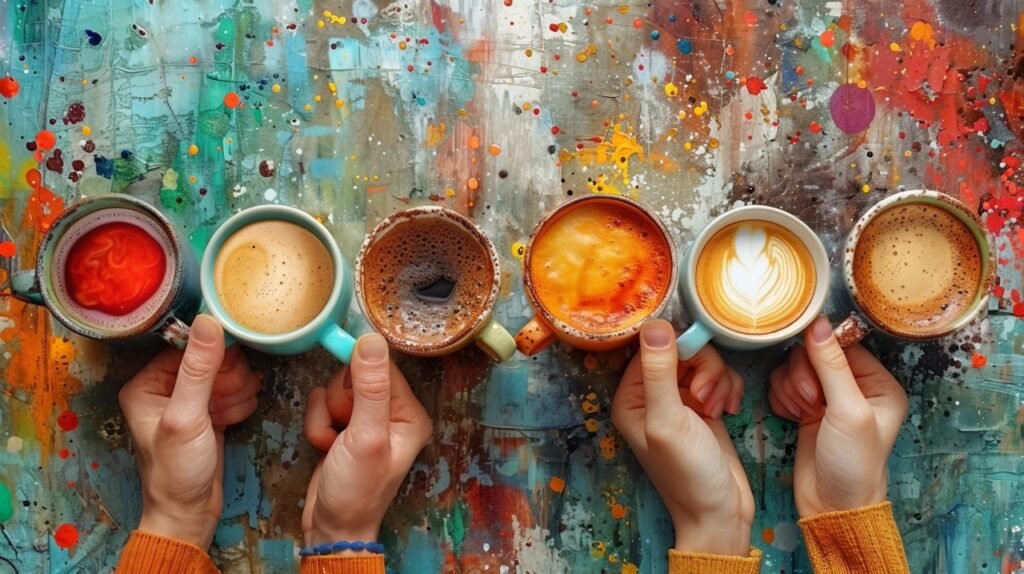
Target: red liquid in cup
115, 268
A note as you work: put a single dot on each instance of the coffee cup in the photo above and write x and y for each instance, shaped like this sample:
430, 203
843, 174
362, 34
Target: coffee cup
113, 268
275, 279
755, 276
594, 269
427, 279
917, 266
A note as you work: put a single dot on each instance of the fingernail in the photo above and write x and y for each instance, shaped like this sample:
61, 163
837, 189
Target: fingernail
821, 330
716, 412
372, 348
657, 334
734, 407
806, 390
205, 330
702, 394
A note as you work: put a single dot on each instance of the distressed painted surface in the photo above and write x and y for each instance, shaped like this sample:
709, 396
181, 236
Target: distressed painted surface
502, 109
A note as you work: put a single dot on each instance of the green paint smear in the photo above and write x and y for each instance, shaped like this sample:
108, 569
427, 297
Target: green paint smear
6, 508
456, 527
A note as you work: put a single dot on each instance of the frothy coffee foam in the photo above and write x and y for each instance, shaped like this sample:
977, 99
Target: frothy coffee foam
273, 277
601, 267
755, 277
917, 269
412, 255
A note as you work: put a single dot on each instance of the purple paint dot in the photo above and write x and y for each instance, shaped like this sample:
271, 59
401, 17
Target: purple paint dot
852, 108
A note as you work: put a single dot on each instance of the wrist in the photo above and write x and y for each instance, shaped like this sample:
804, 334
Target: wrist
192, 529
706, 535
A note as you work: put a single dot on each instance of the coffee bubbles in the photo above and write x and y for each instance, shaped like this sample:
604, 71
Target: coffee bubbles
917, 268
273, 277
755, 277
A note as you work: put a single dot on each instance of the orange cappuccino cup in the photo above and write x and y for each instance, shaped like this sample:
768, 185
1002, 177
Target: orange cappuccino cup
594, 269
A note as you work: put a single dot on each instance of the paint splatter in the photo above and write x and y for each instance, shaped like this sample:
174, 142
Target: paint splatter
557, 484
6, 506
74, 114
8, 249
66, 535
232, 100
9, 87
978, 360
93, 37
852, 108
755, 85
46, 139
68, 421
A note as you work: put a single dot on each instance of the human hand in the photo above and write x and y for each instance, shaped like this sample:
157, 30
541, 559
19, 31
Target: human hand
691, 460
353, 485
850, 409
177, 408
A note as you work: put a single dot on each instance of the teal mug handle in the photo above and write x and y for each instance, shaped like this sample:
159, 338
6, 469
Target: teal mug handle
338, 342
25, 286
692, 341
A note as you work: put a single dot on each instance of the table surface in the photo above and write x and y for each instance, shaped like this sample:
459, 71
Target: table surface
502, 110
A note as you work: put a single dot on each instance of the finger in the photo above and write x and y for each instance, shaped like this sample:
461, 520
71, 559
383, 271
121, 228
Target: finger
235, 414
804, 387
249, 389
842, 394
707, 368
318, 426
715, 405
736, 396
199, 367
777, 395
371, 390
628, 403
659, 363
231, 358
231, 380
880, 388
779, 409
339, 396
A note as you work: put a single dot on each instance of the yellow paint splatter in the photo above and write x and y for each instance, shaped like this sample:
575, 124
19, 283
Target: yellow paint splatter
86, 131
518, 250
628, 568
591, 425
671, 90
193, 149
607, 445
922, 32
619, 150
865, 188
435, 133
895, 47
276, 88
598, 549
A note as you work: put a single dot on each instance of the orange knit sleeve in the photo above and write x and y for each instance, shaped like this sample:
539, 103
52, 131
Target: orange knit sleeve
695, 563
148, 553
860, 541
343, 564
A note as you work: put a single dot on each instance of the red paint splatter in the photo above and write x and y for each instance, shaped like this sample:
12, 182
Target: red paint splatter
95, 465
815, 127
978, 360
66, 536
44, 207
68, 421
8, 249
232, 100
755, 85
750, 18
33, 178
75, 113
555, 130
827, 38
64, 453
45, 139
9, 87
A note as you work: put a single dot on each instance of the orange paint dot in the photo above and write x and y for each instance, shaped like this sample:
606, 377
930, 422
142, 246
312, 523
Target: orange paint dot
232, 100
618, 511
193, 149
557, 484
827, 38
8, 249
638, 23
193, 60
9, 87
33, 178
815, 127
474, 142
45, 139
66, 536
473, 183
768, 535
750, 19
494, 149
978, 360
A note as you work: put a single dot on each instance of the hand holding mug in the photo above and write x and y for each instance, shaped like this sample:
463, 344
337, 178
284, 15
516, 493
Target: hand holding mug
177, 407
366, 462
689, 458
842, 448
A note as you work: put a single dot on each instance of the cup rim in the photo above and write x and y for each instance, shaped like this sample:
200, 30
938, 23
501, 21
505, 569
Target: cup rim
560, 326
232, 225
819, 256
82, 208
424, 211
964, 214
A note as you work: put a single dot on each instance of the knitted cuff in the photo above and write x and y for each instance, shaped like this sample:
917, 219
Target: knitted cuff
696, 563
146, 553
343, 564
859, 541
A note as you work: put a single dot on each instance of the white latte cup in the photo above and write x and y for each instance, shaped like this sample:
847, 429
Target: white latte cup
753, 280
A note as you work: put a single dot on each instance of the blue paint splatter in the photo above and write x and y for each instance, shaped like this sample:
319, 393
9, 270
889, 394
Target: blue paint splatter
685, 46
672, 18
104, 167
655, 35
94, 38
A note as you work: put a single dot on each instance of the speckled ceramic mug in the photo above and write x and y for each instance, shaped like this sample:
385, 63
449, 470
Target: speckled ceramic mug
861, 322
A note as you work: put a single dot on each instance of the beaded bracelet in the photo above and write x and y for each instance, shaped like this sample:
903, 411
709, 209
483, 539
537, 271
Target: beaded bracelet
342, 545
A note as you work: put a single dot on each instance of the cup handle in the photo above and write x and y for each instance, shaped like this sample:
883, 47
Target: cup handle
496, 341
693, 340
534, 337
175, 332
339, 343
25, 286
851, 330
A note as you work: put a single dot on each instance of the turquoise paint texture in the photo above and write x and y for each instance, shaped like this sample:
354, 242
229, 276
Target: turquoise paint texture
502, 112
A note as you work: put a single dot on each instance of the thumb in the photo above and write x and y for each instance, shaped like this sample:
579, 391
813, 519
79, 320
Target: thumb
833, 369
659, 362
371, 392
199, 367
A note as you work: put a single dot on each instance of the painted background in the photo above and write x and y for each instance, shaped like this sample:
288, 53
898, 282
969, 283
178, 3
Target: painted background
501, 109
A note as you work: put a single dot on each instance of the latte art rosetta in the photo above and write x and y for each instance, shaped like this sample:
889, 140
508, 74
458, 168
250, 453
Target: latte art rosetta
755, 277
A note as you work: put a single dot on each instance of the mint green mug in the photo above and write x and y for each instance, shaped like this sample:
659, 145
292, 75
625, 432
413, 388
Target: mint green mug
323, 329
